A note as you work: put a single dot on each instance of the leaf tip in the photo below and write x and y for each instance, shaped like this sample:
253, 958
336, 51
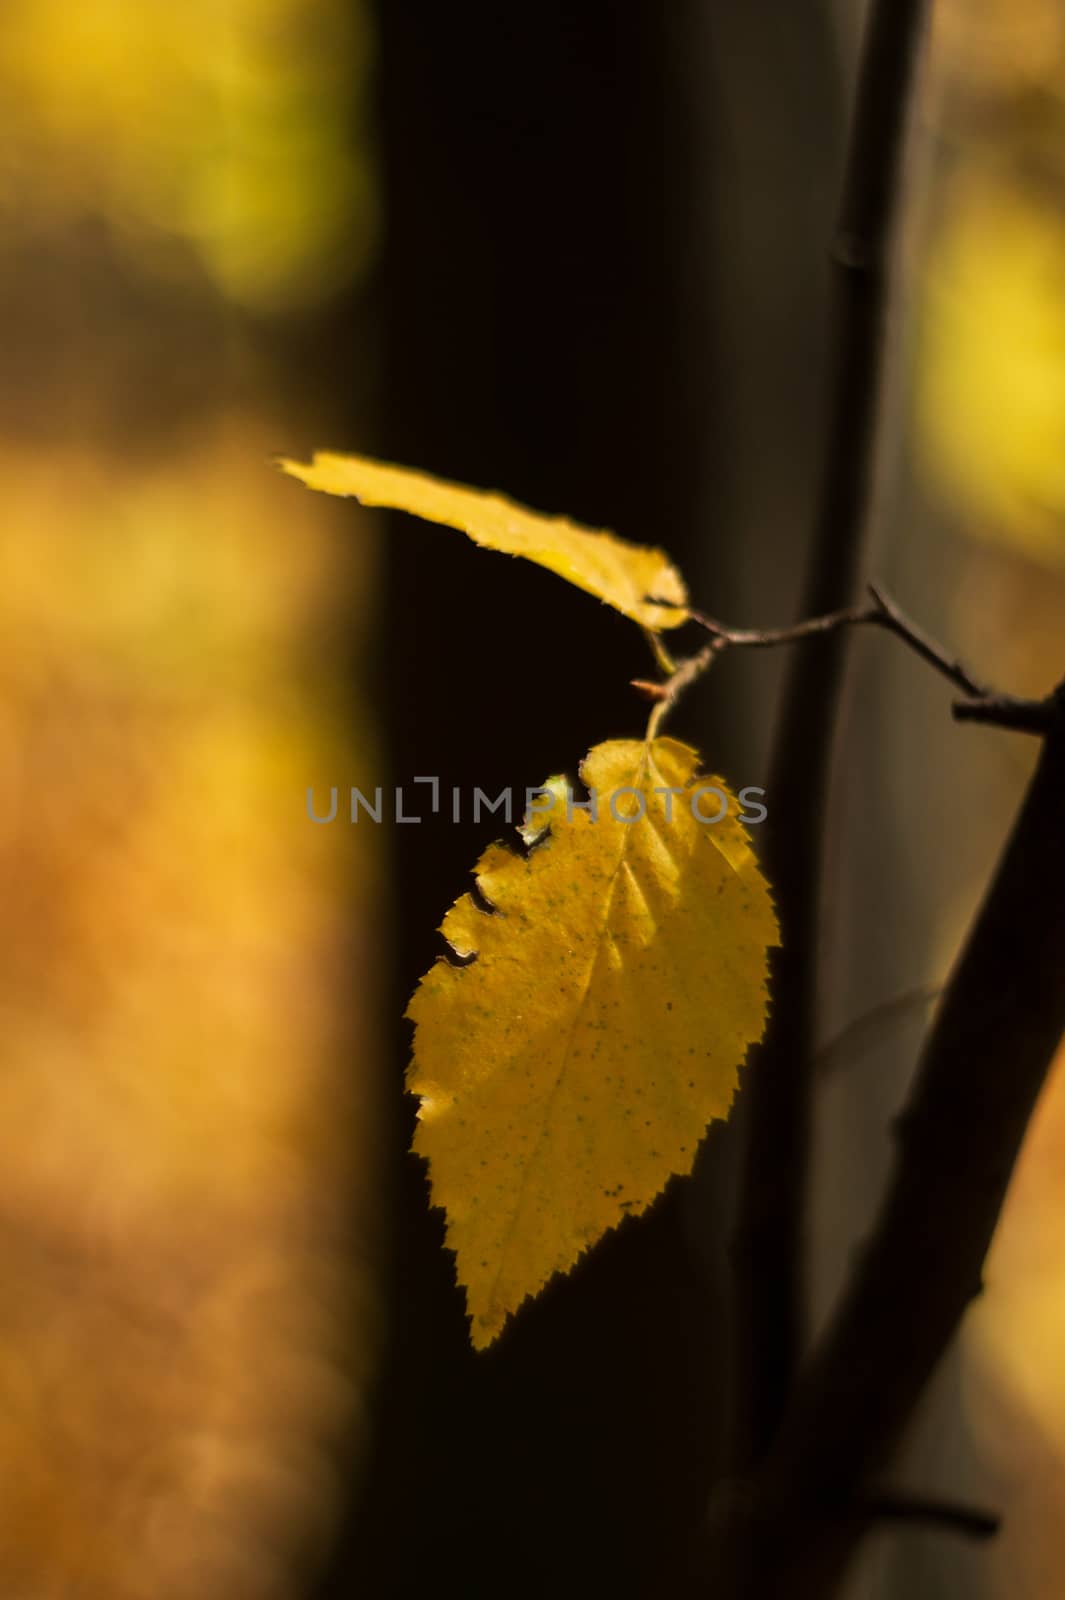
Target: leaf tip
291, 468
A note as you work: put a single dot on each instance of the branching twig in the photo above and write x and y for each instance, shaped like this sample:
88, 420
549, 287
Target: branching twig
981, 705
882, 613
888, 615
668, 693
1003, 711
997, 1029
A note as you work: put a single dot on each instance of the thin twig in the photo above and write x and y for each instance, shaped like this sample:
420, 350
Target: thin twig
888, 615
764, 638
865, 1030
971, 1521
883, 613
667, 694
981, 705
1003, 711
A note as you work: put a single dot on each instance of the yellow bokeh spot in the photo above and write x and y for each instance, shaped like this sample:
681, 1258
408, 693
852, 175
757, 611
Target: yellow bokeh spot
991, 367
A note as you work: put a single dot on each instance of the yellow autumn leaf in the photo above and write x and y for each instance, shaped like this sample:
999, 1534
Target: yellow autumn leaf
623, 575
573, 1066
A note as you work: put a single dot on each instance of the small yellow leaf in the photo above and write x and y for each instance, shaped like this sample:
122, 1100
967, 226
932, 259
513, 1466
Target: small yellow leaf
574, 1064
624, 575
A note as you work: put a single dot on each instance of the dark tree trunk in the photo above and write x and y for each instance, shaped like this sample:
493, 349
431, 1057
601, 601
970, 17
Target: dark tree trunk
545, 281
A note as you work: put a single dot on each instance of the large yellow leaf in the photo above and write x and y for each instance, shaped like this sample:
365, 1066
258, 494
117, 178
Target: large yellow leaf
574, 1065
622, 574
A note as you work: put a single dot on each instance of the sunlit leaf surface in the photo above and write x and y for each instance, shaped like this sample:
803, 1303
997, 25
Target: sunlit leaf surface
573, 1066
624, 575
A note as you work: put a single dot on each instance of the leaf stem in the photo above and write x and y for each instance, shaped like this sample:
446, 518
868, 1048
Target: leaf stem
663, 659
667, 694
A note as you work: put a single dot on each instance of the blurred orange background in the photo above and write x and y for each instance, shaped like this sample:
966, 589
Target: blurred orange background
186, 1327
